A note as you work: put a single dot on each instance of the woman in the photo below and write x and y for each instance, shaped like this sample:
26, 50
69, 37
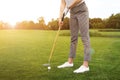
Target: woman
79, 21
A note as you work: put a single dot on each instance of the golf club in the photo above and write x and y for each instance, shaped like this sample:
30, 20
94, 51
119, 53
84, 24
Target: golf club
53, 47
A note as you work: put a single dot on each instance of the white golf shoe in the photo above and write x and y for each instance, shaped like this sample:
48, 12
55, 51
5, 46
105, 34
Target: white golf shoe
81, 69
66, 64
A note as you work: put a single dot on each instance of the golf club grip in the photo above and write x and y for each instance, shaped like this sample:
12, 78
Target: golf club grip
63, 16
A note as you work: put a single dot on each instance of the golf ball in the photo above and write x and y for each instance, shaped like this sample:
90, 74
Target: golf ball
49, 67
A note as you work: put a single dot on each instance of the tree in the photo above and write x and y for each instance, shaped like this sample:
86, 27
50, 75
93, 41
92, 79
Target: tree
42, 23
53, 24
66, 24
97, 23
1, 25
113, 21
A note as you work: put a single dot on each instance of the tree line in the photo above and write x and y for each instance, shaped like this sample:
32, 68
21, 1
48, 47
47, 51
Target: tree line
112, 22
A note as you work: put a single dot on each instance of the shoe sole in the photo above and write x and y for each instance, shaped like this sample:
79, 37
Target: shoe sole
65, 67
81, 72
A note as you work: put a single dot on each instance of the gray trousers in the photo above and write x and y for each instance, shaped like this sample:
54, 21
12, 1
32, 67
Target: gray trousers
79, 21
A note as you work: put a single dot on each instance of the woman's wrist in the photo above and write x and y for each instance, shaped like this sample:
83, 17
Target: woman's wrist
59, 19
68, 7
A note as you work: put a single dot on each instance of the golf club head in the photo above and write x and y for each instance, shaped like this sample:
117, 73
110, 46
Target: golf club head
46, 65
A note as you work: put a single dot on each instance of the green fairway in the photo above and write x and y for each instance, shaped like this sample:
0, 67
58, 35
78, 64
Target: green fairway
23, 53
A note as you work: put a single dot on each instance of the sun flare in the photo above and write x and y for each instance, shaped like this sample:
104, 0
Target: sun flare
13, 11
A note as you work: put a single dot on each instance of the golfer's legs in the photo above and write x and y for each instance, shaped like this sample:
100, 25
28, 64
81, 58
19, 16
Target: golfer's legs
83, 21
74, 28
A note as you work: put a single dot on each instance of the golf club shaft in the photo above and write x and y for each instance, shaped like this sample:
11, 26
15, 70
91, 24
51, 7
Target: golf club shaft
55, 40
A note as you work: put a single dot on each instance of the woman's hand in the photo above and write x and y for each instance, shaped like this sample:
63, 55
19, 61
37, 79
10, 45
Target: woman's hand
60, 22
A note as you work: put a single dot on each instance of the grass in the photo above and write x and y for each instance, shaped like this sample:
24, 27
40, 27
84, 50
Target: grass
95, 33
23, 53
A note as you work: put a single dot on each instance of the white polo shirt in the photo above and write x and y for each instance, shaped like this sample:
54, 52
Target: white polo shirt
69, 2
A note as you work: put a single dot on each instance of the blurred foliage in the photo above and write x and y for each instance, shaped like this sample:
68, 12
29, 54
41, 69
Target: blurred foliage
113, 22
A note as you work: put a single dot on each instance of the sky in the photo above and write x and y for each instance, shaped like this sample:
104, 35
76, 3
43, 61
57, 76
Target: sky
13, 11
